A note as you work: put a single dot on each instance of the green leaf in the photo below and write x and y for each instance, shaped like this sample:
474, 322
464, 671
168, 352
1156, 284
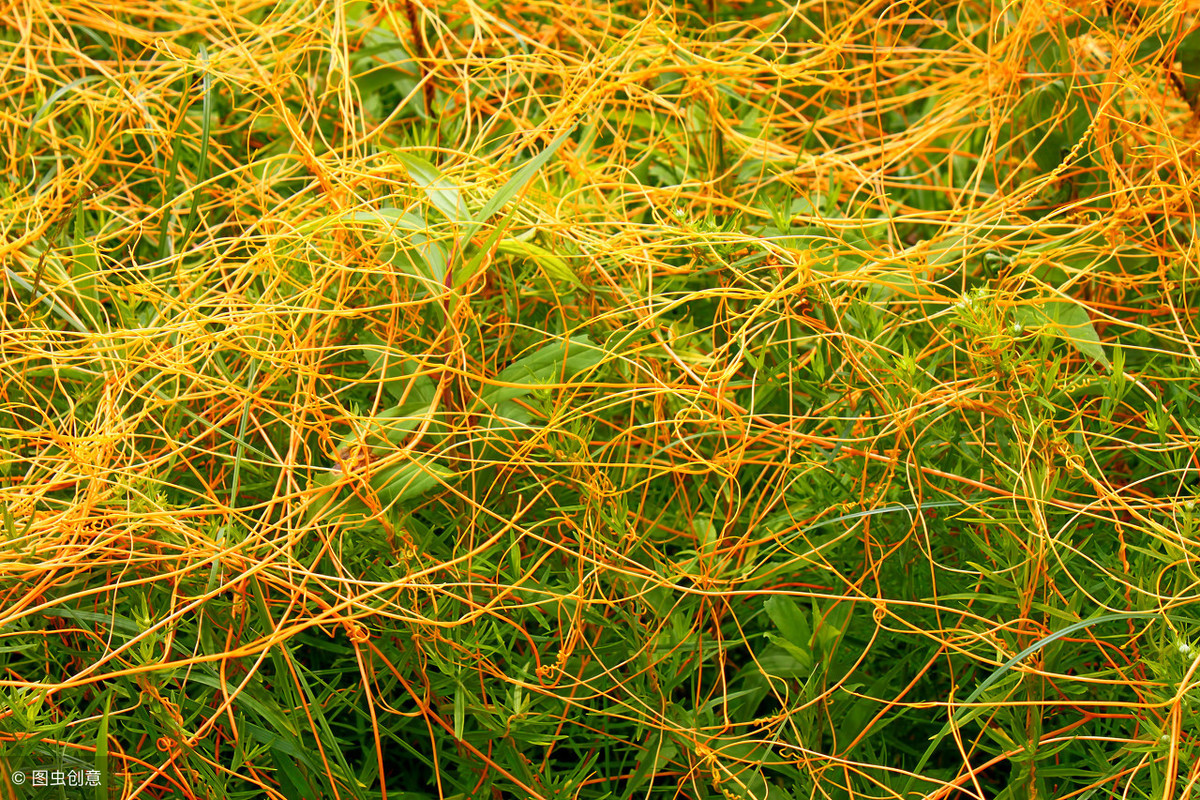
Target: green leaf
1045, 142
317, 713
1069, 322
102, 749
460, 710
472, 268
397, 373
777, 662
790, 619
85, 265
49, 299
292, 780
515, 184
741, 762
706, 535
391, 426
409, 480
57, 95
949, 251
554, 363
654, 757
1116, 380
1188, 53
408, 232
792, 622
802, 655
202, 164
444, 195
966, 709
503, 431
552, 267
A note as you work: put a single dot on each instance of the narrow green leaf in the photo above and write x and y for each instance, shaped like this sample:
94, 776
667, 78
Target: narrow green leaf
294, 782
656, 755
54, 97
397, 373
477, 263
240, 450
965, 709
326, 734
205, 135
204, 423
460, 710
101, 760
168, 195
61, 311
1116, 380
515, 184
85, 264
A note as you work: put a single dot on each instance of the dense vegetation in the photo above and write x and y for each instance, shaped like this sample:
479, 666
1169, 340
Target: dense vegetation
536, 400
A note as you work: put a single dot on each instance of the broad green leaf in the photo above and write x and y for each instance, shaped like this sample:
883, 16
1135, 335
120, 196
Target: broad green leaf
830, 625
392, 482
743, 776
409, 480
397, 373
382, 46
444, 195
408, 232
792, 622
553, 267
398, 483
776, 662
554, 363
948, 252
706, 535
1068, 321
1188, 53
501, 433
391, 426
802, 654
379, 79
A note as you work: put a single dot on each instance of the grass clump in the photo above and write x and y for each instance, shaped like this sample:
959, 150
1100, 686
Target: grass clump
606, 401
